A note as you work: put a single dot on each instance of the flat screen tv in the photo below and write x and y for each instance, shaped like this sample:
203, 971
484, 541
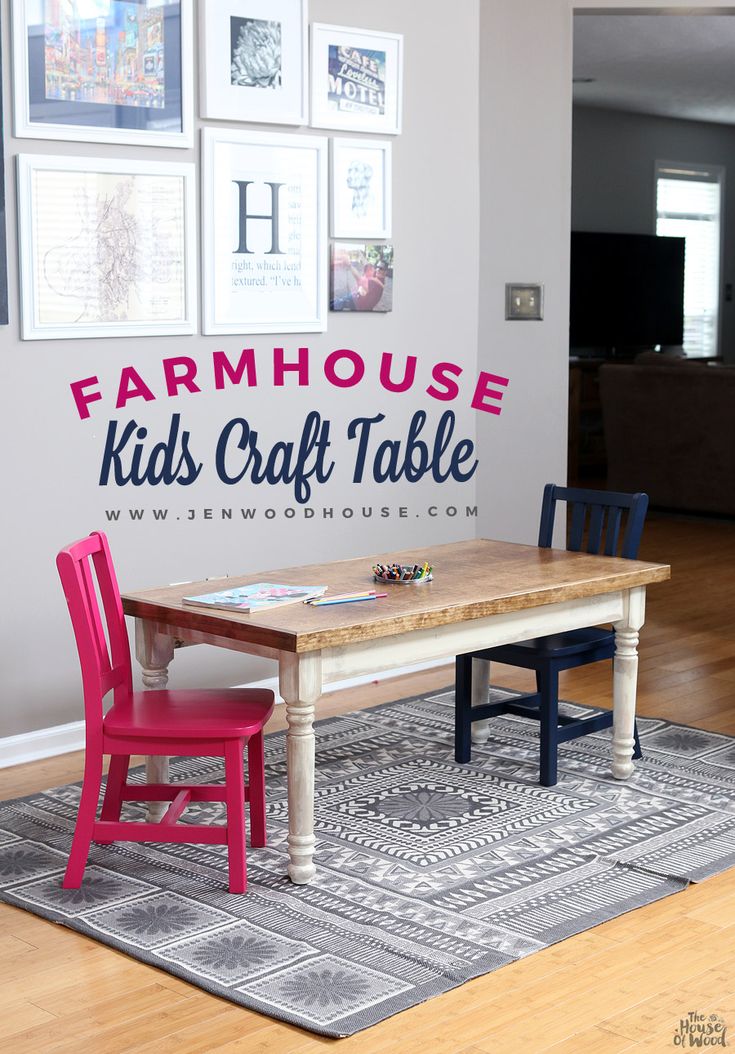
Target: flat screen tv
627, 290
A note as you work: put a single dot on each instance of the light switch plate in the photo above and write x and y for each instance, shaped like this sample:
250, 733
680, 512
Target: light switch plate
524, 301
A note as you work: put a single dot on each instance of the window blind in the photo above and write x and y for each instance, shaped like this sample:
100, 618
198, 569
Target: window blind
688, 205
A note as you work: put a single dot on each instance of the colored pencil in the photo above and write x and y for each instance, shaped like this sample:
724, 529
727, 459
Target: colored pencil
342, 596
345, 600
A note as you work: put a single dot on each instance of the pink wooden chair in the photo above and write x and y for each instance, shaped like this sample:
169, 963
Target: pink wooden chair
180, 723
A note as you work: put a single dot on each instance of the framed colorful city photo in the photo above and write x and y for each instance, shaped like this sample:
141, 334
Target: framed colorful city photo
361, 188
264, 227
107, 247
254, 60
356, 79
104, 71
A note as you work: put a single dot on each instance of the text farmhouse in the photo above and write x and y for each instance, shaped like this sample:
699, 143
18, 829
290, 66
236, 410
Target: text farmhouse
342, 368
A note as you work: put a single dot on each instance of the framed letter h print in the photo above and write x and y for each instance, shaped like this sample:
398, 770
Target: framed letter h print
264, 222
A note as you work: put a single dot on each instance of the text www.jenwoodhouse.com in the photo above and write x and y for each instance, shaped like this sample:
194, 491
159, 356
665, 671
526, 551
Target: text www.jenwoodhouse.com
324, 513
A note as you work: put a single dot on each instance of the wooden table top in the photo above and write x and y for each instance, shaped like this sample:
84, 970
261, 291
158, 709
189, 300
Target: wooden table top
472, 580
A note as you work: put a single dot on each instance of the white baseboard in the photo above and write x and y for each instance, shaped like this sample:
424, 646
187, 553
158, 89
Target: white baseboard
43, 743
63, 739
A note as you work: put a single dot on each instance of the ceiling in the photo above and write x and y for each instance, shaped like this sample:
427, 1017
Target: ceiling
671, 65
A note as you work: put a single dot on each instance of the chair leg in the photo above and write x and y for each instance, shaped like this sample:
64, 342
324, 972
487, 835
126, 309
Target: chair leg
637, 752
113, 799
463, 709
85, 821
256, 784
235, 792
547, 684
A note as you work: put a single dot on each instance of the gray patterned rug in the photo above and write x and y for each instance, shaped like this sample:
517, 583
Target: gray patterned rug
429, 873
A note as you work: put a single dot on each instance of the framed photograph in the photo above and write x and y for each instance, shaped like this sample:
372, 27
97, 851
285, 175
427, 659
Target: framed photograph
107, 247
356, 79
104, 71
254, 60
362, 277
264, 222
361, 188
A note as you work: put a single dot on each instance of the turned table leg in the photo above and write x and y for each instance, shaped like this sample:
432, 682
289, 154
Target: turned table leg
480, 684
625, 679
301, 687
154, 651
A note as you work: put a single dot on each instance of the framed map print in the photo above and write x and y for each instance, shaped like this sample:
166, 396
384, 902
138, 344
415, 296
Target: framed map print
107, 247
361, 188
254, 60
264, 226
356, 79
104, 71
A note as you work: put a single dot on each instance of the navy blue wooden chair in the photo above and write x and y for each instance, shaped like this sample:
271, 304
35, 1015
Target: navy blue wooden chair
597, 527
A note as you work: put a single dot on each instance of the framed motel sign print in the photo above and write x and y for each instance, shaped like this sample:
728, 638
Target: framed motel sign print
356, 79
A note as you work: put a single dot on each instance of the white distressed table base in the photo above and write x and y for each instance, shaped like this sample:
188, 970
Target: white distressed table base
480, 684
300, 684
302, 677
154, 651
625, 681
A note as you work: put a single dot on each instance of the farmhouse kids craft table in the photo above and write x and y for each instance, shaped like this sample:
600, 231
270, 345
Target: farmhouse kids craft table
484, 593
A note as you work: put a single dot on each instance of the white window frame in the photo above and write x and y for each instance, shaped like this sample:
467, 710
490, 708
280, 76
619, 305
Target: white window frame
696, 171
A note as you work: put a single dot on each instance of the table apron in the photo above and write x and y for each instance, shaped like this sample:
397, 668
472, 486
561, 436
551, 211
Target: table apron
369, 656
384, 653
184, 637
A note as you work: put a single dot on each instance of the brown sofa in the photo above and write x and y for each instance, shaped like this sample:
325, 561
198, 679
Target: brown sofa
670, 431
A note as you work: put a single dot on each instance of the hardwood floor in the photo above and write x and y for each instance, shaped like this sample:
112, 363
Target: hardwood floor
634, 978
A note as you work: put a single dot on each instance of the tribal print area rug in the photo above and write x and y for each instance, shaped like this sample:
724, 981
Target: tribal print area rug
429, 872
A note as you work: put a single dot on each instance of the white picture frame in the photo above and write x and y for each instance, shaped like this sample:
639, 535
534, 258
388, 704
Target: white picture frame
356, 79
261, 275
107, 247
266, 79
360, 181
94, 105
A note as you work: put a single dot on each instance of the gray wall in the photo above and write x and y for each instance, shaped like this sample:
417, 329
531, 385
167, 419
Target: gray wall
450, 256
525, 144
51, 459
613, 178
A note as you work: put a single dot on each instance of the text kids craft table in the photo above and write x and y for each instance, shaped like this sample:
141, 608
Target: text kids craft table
484, 593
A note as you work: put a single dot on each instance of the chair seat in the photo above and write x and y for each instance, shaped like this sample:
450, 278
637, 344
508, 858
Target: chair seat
206, 714
559, 645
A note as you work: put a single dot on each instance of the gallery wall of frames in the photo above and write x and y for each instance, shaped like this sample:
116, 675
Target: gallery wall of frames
109, 245
177, 238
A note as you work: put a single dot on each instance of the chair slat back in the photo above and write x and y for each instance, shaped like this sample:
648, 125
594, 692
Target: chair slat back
595, 520
104, 667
